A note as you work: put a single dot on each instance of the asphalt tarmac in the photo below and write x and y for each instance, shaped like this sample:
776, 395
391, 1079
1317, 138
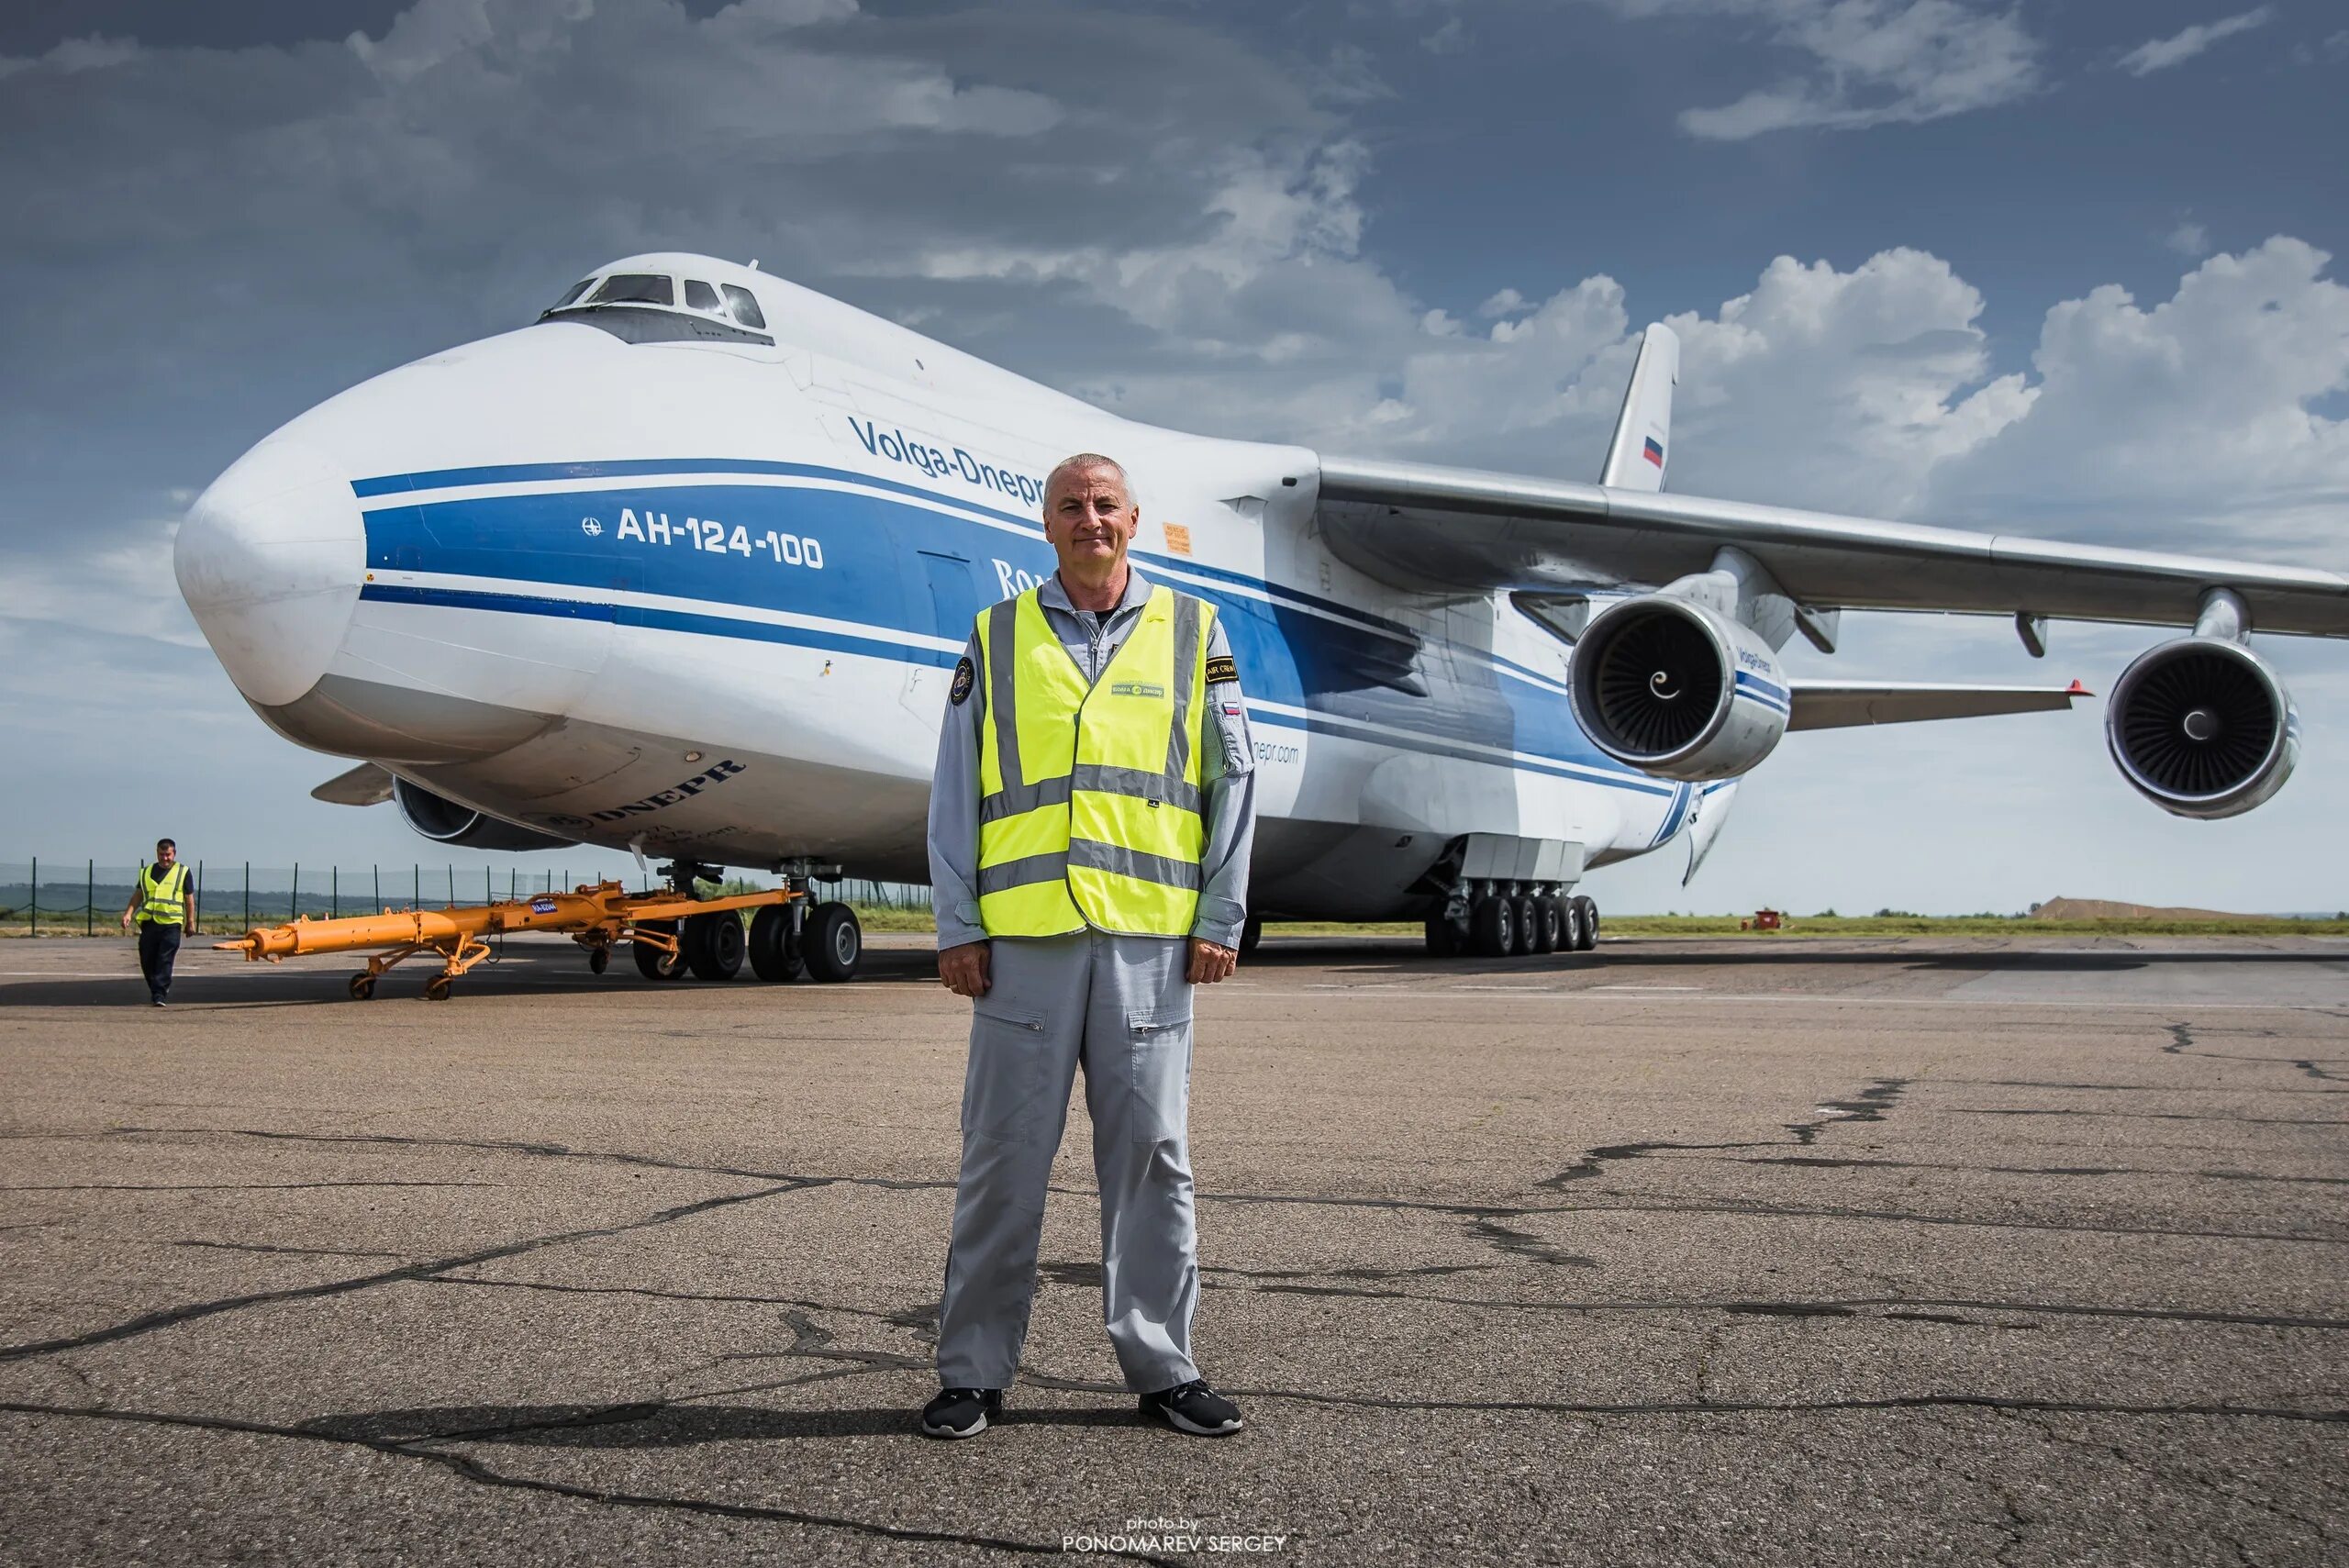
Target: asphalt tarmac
1757, 1251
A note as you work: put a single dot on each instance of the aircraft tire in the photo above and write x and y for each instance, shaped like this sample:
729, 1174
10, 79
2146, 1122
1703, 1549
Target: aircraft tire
775, 957
714, 950
1549, 923
1586, 936
1252, 931
1443, 938
834, 944
653, 963
1493, 924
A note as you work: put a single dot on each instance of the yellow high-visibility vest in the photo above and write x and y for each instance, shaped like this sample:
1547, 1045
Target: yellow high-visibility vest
1090, 805
164, 899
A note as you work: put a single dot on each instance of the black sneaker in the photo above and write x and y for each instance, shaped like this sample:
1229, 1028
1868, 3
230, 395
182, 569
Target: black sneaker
959, 1412
1193, 1407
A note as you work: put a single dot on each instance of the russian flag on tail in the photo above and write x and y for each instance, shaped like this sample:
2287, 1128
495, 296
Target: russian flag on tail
1653, 451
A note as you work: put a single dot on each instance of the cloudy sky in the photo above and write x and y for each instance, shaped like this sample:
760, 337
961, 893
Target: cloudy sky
2051, 266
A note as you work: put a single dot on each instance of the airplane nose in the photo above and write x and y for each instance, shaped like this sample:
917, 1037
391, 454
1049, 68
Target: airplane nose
270, 559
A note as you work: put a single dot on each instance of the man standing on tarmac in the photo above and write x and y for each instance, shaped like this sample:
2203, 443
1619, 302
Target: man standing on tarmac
1089, 828
164, 904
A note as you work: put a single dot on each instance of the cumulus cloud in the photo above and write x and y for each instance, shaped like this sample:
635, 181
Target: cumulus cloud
244, 232
2160, 54
1865, 62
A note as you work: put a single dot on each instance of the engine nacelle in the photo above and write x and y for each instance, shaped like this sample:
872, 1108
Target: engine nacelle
444, 822
1676, 690
2202, 726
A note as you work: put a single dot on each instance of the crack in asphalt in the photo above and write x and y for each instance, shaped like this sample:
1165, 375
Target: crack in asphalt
468, 1468
1903, 1217
147, 1323
223, 1187
1869, 1105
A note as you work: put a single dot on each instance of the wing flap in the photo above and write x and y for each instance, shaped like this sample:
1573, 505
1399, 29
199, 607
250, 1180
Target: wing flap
1837, 705
367, 784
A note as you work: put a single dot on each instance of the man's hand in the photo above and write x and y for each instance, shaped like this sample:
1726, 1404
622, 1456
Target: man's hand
1210, 963
126, 919
964, 969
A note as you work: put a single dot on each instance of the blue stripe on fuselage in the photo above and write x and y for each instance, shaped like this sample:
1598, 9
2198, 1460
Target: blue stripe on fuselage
903, 568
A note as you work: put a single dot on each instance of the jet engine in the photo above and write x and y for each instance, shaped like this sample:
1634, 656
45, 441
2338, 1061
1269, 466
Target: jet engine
1676, 690
2202, 726
444, 822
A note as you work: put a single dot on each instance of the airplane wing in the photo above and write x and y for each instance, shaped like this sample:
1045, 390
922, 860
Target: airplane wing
1422, 526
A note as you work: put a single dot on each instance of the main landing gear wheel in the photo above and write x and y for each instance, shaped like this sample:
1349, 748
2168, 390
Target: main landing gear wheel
1548, 920
651, 961
436, 988
1586, 937
1528, 925
834, 943
1569, 925
714, 944
362, 986
774, 954
1493, 924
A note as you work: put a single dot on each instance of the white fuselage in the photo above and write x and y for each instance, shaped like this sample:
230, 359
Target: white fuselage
702, 596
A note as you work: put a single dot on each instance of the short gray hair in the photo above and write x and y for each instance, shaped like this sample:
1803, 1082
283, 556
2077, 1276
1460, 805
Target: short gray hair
1083, 461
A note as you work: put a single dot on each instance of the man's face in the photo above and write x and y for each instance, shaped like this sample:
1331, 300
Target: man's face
1089, 522
165, 855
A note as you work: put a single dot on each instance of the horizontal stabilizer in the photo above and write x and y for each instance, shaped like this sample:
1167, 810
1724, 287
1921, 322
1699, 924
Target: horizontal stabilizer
1836, 705
366, 785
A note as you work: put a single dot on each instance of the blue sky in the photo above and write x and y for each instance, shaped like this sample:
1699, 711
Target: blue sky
2059, 268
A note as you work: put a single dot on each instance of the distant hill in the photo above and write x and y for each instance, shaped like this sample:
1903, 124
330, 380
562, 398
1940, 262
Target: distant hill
2106, 909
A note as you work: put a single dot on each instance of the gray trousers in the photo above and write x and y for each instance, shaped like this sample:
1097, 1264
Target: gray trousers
1120, 1007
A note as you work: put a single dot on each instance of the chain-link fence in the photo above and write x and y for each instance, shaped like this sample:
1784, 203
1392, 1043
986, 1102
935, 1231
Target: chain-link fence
55, 897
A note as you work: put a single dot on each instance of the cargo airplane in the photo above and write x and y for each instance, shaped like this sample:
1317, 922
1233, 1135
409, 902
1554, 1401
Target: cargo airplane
683, 566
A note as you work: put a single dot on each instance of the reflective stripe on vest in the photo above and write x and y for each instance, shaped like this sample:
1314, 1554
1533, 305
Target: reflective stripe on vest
163, 901
1089, 804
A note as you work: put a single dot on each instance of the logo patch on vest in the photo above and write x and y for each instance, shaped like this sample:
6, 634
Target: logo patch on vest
1136, 689
1223, 667
964, 676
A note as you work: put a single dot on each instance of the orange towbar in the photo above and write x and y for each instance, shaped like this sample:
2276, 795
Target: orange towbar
597, 917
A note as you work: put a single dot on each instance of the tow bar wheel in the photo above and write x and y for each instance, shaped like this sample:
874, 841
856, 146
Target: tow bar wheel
656, 964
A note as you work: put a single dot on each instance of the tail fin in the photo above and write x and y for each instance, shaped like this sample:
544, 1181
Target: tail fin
1643, 429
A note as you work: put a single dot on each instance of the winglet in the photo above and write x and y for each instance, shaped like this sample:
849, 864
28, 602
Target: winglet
1635, 458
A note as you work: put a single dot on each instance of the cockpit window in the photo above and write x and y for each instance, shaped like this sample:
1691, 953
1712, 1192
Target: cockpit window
635, 288
572, 294
699, 295
745, 306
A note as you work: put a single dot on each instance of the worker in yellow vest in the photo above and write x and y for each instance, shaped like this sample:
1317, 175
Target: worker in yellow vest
1090, 822
163, 903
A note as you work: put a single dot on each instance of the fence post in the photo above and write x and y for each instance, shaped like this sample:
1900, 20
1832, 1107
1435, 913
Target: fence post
334, 893
89, 900
249, 896
294, 896
32, 905
379, 886
194, 925
488, 889
452, 888
415, 885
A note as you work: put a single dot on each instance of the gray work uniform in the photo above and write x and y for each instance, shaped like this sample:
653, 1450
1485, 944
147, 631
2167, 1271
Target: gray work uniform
1120, 1006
